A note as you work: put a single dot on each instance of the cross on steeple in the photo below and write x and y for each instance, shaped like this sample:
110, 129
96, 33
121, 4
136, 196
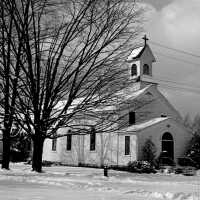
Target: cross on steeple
145, 39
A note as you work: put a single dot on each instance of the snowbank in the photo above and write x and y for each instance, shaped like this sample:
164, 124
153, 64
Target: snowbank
145, 186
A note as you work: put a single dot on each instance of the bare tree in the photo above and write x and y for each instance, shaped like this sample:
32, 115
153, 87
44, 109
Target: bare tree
74, 65
10, 58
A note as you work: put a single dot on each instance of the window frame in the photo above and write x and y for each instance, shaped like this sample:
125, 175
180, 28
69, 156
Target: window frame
134, 66
93, 140
69, 142
54, 144
146, 69
127, 143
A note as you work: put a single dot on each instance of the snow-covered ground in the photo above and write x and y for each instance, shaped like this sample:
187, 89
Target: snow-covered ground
76, 183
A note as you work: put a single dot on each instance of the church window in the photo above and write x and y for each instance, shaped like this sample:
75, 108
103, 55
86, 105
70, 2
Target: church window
146, 69
69, 143
134, 70
54, 144
127, 145
167, 137
131, 118
92, 140
168, 145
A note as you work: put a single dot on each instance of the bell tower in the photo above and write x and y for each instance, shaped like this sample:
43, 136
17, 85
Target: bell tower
140, 64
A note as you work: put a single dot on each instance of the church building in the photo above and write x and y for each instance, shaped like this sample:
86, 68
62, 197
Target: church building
156, 120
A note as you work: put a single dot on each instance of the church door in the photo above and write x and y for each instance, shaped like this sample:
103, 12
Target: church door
168, 144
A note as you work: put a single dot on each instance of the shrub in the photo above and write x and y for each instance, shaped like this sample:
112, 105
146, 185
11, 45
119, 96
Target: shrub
140, 167
193, 151
19, 149
46, 163
149, 152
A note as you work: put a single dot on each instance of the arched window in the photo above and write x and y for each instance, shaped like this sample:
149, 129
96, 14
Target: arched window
146, 69
167, 137
134, 70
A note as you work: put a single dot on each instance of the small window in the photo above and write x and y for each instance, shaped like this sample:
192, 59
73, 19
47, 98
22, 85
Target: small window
127, 145
131, 118
54, 144
69, 143
92, 140
146, 70
134, 70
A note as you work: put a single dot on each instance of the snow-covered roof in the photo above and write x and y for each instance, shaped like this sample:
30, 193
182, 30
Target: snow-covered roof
125, 94
136, 53
138, 127
104, 108
61, 104
130, 94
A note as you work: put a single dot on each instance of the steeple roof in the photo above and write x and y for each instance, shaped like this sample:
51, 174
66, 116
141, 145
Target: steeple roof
137, 53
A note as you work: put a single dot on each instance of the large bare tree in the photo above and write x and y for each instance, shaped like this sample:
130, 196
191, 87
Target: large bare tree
74, 66
10, 58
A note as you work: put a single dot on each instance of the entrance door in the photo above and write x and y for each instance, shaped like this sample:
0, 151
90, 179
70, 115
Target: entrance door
168, 145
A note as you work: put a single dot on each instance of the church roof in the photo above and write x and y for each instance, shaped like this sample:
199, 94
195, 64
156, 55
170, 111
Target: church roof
124, 95
136, 53
143, 125
130, 94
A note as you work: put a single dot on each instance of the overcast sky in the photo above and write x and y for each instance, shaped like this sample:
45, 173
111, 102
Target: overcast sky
176, 24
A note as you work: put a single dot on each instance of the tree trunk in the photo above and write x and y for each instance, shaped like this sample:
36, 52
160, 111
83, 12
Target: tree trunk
37, 154
6, 149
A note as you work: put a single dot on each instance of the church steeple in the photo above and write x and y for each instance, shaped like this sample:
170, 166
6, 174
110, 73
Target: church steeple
140, 62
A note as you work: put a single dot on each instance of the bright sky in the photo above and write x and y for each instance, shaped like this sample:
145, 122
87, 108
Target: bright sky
176, 24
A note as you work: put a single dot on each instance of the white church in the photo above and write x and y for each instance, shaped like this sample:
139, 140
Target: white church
157, 120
